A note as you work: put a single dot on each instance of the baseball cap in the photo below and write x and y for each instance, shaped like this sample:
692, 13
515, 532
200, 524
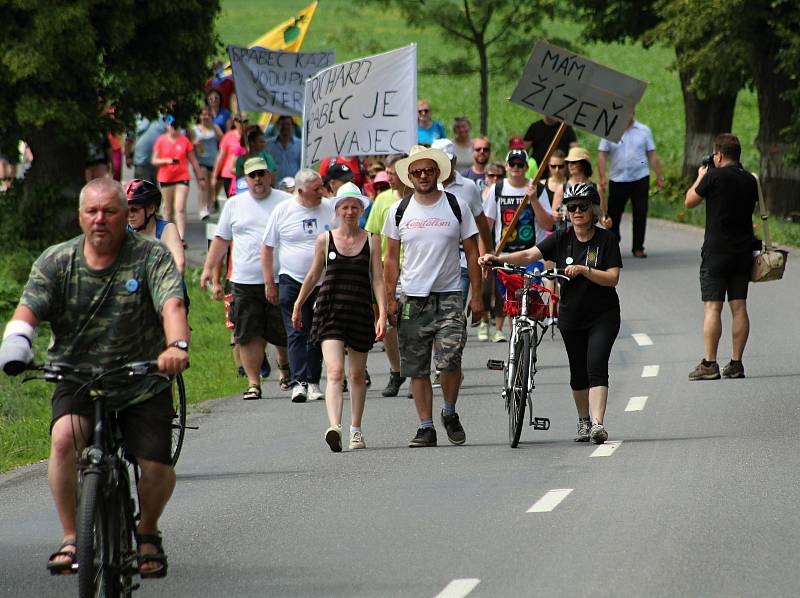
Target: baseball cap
446, 146
516, 142
517, 154
255, 164
339, 172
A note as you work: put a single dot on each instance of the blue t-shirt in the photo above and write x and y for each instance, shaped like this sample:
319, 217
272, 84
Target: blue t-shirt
428, 136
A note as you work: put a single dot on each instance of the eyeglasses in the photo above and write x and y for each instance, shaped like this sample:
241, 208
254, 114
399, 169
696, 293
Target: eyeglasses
484, 150
557, 166
424, 110
517, 165
429, 171
492, 175
582, 206
257, 173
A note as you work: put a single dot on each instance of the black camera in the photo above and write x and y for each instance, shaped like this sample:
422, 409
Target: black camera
708, 161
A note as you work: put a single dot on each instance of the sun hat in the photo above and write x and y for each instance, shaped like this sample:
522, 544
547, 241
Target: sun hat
576, 154
516, 142
381, 177
420, 152
256, 163
350, 191
447, 146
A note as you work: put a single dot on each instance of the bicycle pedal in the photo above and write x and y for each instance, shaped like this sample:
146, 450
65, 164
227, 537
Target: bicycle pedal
541, 423
192, 427
496, 364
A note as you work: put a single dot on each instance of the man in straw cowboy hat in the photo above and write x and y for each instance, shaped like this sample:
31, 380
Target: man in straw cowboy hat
430, 224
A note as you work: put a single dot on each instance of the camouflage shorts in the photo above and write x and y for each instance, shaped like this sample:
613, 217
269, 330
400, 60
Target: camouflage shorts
427, 321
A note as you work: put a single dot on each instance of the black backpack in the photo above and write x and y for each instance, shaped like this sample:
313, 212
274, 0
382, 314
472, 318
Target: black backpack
451, 199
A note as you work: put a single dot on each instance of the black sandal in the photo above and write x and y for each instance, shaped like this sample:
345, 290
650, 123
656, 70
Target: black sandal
253, 393
285, 381
64, 568
156, 557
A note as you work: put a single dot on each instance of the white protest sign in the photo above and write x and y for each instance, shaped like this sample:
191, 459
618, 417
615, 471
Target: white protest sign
274, 80
580, 92
362, 107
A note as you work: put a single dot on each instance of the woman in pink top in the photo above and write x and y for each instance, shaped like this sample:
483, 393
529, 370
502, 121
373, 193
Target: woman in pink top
230, 148
171, 153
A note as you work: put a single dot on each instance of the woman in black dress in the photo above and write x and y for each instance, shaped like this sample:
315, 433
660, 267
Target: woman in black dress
350, 260
589, 316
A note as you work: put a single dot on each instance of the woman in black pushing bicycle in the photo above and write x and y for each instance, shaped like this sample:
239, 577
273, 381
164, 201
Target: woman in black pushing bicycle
589, 315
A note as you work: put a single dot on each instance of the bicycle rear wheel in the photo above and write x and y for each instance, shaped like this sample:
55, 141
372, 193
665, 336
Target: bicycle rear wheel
519, 387
179, 419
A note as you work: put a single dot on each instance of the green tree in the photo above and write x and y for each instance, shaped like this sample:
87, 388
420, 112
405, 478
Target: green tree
64, 63
495, 32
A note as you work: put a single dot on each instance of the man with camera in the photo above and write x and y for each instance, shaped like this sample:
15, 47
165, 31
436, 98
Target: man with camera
730, 193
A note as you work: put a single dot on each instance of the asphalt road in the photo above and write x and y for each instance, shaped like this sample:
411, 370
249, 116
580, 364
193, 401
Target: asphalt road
699, 498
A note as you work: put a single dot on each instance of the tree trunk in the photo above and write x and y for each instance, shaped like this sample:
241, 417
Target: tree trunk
780, 180
484, 70
705, 119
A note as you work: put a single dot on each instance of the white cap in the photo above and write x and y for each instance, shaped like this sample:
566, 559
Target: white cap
446, 146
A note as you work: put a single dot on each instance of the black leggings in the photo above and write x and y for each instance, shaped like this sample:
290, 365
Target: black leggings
589, 349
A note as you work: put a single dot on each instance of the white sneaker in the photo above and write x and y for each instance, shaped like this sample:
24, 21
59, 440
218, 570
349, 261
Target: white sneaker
204, 213
483, 331
333, 436
499, 337
357, 441
299, 393
314, 392
598, 434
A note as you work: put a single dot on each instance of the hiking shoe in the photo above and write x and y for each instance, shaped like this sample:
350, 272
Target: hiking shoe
424, 437
437, 381
598, 434
333, 436
315, 392
299, 393
499, 337
483, 331
357, 441
455, 433
706, 372
734, 369
583, 430
393, 386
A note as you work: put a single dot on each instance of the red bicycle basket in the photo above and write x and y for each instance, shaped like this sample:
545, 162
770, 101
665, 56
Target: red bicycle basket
538, 301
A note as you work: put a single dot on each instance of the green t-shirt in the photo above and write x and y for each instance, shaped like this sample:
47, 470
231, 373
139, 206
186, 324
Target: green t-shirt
103, 318
239, 168
533, 168
377, 216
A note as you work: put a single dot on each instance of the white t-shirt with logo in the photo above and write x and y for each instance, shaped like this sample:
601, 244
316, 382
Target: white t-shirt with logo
292, 230
430, 236
242, 221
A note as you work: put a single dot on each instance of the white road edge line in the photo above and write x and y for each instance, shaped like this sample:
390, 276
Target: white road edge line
642, 339
607, 449
550, 500
650, 371
458, 588
636, 404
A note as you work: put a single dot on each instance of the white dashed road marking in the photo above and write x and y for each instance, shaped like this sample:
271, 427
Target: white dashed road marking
607, 449
550, 500
650, 371
636, 404
642, 339
458, 588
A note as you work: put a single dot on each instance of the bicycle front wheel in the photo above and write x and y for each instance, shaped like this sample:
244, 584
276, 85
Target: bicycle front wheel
519, 387
179, 419
93, 539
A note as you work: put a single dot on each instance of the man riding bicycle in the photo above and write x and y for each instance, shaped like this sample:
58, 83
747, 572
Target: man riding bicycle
111, 296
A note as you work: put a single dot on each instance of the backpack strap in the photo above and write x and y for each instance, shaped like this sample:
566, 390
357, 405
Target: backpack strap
498, 189
451, 199
398, 215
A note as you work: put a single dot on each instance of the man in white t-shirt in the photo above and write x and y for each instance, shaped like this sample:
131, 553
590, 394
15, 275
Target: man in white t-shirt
291, 231
256, 321
430, 224
502, 201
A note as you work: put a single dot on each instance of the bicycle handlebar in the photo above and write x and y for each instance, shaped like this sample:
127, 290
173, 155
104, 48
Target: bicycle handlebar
551, 274
56, 371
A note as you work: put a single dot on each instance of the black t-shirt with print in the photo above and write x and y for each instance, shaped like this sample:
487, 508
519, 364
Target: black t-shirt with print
731, 194
582, 300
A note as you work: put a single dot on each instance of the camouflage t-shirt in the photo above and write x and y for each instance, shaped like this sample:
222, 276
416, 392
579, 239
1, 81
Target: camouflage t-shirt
103, 318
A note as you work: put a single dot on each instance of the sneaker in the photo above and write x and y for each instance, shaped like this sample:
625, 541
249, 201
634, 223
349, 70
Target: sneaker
583, 430
367, 379
424, 437
734, 369
266, 368
393, 386
483, 331
598, 434
333, 436
499, 337
204, 214
437, 382
455, 433
299, 393
357, 441
314, 392
705, 372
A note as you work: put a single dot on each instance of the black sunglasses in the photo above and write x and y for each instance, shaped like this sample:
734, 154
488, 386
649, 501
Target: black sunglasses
557, 166
582, 206
423, 111
481, 149
430, 171
516, 164
257, 173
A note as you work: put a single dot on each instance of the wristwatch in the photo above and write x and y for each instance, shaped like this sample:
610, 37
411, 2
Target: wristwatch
181, 344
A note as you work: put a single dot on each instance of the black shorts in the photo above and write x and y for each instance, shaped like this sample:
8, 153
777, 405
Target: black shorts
146, 426
255, 317
173, 183
725, 273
